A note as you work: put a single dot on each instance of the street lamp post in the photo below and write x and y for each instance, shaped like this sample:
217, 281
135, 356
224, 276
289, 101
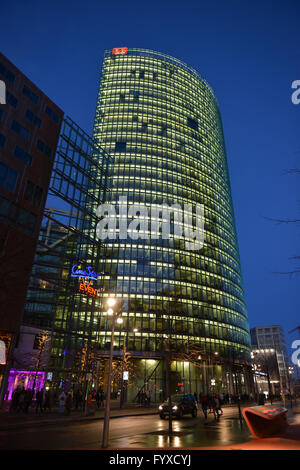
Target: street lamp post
115, 307
289, 373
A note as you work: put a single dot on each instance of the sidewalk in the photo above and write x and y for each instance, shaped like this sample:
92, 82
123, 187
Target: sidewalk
289, 440
22, 420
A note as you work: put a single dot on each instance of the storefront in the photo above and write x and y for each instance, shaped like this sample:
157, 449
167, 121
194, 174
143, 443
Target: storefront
24, 378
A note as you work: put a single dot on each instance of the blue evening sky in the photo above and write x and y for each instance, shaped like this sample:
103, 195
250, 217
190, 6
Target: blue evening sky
249, 53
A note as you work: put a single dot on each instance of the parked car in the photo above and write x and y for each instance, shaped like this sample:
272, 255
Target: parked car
181, 405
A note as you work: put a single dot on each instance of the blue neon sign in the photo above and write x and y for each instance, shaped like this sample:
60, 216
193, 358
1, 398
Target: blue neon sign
88, 273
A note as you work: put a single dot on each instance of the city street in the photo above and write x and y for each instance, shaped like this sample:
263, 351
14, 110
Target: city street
134, 432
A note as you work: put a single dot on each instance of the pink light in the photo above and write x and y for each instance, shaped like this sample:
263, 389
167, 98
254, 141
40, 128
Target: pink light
15, 376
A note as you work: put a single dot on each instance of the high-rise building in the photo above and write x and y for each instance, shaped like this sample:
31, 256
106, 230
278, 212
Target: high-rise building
29, 130
160, 121
272, 337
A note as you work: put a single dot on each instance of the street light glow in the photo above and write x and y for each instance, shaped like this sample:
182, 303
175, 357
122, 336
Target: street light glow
110, 311
111, 302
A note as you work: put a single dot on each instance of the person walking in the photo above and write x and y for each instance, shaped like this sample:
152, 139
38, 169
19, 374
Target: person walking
213, 405
218, 409
204, 404
148, 398
39, 401
89, 410
78, 399
62, 402
21, 401
102, 396
81, 400
14, 400
209, 403
48, 401
97, 398
221, 400
27, 400
69, 403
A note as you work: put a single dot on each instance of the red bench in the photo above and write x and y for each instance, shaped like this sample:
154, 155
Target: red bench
265, 421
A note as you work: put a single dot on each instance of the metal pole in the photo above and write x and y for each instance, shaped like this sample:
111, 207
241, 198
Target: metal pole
122, 381
169, 393
107, 401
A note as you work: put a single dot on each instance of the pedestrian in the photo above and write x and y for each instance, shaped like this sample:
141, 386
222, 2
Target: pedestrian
101, 398
195, 395
48, 401
218, 409
78, 399
221, 399
89, 404
21, 401
261, 399
62, 402
97, 397
39, 400
69, 404
27, 400
213, 405
209, 403
204, 404
148, 398
14, 400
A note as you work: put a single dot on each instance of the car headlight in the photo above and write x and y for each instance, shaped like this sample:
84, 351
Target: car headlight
175, 407
160, 407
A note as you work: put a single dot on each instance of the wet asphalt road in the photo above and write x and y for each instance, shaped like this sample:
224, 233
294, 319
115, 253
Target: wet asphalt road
130, 432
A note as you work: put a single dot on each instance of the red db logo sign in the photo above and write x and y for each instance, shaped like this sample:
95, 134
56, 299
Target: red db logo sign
119, 50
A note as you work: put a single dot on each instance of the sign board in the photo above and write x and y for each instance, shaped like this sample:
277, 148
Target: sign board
2, 352
86, 273
88, 289
119, 50
125, 375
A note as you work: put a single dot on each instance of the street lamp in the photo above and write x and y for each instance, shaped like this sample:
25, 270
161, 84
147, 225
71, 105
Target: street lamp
114, 310
289, 374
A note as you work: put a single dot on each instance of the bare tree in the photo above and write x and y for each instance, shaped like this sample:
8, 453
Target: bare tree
280, 221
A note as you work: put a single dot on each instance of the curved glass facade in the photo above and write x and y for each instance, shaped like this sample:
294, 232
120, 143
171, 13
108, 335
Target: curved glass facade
160, 121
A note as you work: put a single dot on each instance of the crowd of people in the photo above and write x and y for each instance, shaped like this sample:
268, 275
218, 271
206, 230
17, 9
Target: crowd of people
144, 398
45, 399
211, 404
22, 400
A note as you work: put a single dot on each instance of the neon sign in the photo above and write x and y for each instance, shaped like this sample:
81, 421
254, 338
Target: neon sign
2, 352
119, 50
87, 289
88, 274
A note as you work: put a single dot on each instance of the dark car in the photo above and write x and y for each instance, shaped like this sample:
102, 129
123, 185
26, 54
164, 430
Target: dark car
181, 405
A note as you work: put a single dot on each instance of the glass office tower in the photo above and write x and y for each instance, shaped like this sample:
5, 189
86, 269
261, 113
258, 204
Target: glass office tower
160, 121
